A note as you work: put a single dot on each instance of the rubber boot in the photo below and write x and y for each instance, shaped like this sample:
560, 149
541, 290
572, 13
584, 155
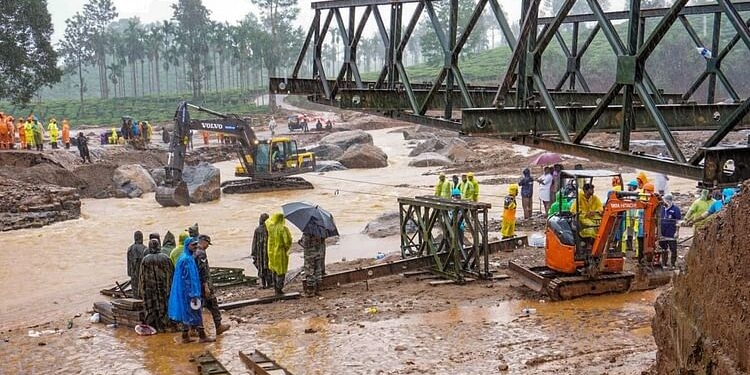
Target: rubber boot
186, 338
316, 290
308, 290
221, 328
202, 337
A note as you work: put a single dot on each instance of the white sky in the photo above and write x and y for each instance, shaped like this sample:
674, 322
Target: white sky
221, 10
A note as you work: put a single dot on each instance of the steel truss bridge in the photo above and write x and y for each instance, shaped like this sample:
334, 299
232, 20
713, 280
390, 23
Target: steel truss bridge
523, 107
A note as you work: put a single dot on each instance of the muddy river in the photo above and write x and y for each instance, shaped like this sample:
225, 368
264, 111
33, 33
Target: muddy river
56, 271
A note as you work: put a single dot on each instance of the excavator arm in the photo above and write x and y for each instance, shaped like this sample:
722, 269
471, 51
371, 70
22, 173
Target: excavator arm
619, 202
174, 192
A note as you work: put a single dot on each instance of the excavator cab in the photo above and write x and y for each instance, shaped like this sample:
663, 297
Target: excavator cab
277, 157
570, 236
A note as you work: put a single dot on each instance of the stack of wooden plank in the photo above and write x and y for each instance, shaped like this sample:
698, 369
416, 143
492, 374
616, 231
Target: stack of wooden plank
105, 312
227, 276
128, 311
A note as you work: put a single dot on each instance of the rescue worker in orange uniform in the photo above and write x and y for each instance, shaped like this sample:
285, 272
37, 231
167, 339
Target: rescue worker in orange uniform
11, 133
66, 133
21, 134
4, 144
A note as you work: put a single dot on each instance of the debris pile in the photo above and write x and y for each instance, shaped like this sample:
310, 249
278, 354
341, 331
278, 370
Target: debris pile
24, 205
701, 324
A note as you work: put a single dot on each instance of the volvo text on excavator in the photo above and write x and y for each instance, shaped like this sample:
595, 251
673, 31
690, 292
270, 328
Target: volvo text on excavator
583, 251
267, 164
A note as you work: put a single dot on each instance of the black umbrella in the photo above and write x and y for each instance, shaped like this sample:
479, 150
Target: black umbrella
310, 218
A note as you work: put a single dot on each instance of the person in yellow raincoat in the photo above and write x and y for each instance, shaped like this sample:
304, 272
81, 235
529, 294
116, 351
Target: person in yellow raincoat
4, 144
444, 187
29, 130
475, 187
54, 132
21, 133
508, 228
112, 139
279, 243
66, 133
641, 179
149, 130
698, 207
589, 209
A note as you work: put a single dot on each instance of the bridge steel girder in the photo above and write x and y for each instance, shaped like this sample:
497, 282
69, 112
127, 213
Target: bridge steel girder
566, 117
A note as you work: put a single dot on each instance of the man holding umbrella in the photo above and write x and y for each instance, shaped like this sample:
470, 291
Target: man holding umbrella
316, 224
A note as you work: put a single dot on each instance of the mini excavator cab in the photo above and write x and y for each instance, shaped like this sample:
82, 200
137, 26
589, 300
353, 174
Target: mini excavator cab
575, 240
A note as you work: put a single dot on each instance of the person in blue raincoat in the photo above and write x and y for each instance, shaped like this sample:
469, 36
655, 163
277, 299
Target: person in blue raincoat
719, 202
186, 288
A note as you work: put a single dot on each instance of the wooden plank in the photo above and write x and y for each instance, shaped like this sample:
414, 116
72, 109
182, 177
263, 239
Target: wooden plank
428, 277
444, 282
259, 364
501, 276
258, 301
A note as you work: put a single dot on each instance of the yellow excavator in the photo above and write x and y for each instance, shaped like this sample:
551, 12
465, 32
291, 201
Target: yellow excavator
267, 164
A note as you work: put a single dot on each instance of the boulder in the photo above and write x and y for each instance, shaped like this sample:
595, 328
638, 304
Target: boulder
328, 166
457, 150
347, 139
430, 145
430, 159
364, 156
426, 132
387, 224
159, 175
132, 180
204, 182
326, 151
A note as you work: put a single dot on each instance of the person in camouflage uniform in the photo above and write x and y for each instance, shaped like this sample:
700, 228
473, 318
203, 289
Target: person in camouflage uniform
135, 256
259, 253
155, 281
315, 248
209, 299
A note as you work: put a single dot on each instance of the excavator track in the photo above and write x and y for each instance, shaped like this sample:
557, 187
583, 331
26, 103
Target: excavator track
246, 186
560, 286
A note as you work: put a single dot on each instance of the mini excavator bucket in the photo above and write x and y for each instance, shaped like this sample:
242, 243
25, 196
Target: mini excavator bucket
173, 196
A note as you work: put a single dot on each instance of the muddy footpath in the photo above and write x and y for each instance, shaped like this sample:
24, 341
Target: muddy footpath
390, 325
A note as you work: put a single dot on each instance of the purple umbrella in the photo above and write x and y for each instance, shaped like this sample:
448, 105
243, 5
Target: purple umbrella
547, 158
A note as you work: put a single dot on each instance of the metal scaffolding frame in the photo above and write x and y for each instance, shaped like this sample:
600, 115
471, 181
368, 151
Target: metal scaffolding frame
522, 106
431, 226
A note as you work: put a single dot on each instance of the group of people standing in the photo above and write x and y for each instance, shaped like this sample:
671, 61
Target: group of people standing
173, 280
272, 241
29, 135
466, 188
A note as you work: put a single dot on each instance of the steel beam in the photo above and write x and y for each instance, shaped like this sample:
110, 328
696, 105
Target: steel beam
356, 3
513, 121
727, 125
379, 270
518, 53
650, 13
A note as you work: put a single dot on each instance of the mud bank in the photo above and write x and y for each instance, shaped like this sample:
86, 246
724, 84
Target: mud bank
701, 324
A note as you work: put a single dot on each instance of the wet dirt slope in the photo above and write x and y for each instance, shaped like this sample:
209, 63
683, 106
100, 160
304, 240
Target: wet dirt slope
702, 324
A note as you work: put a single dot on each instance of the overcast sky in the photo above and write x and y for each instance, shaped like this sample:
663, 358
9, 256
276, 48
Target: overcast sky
221, 10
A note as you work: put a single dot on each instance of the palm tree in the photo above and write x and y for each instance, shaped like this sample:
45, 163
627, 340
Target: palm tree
134, 48
153, 43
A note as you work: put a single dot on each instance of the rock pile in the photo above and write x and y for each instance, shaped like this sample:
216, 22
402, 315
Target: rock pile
701, 324
353, 149
24, 205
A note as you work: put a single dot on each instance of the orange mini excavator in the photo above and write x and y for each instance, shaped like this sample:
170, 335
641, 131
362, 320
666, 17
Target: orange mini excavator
578, 265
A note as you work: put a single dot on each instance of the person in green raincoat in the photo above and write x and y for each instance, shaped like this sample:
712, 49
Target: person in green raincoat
559, 205
28, 131
279, 243
54, 132
38, 132
175, 253
698, 208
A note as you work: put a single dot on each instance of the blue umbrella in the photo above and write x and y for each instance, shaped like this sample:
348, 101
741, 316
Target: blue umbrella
311, 219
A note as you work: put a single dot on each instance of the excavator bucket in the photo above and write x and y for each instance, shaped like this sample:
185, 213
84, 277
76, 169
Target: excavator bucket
173, 196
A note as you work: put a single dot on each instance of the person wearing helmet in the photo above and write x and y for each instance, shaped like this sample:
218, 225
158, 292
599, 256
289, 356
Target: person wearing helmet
508, 228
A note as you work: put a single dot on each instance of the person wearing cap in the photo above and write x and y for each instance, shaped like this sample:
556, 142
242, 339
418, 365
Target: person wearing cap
184, 304
508, 227
207, 287
670, 215
589, 209
259, 253
279, 244
155, 280
135, 255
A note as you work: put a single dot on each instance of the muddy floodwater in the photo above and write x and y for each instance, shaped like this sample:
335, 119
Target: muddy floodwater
52, 273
